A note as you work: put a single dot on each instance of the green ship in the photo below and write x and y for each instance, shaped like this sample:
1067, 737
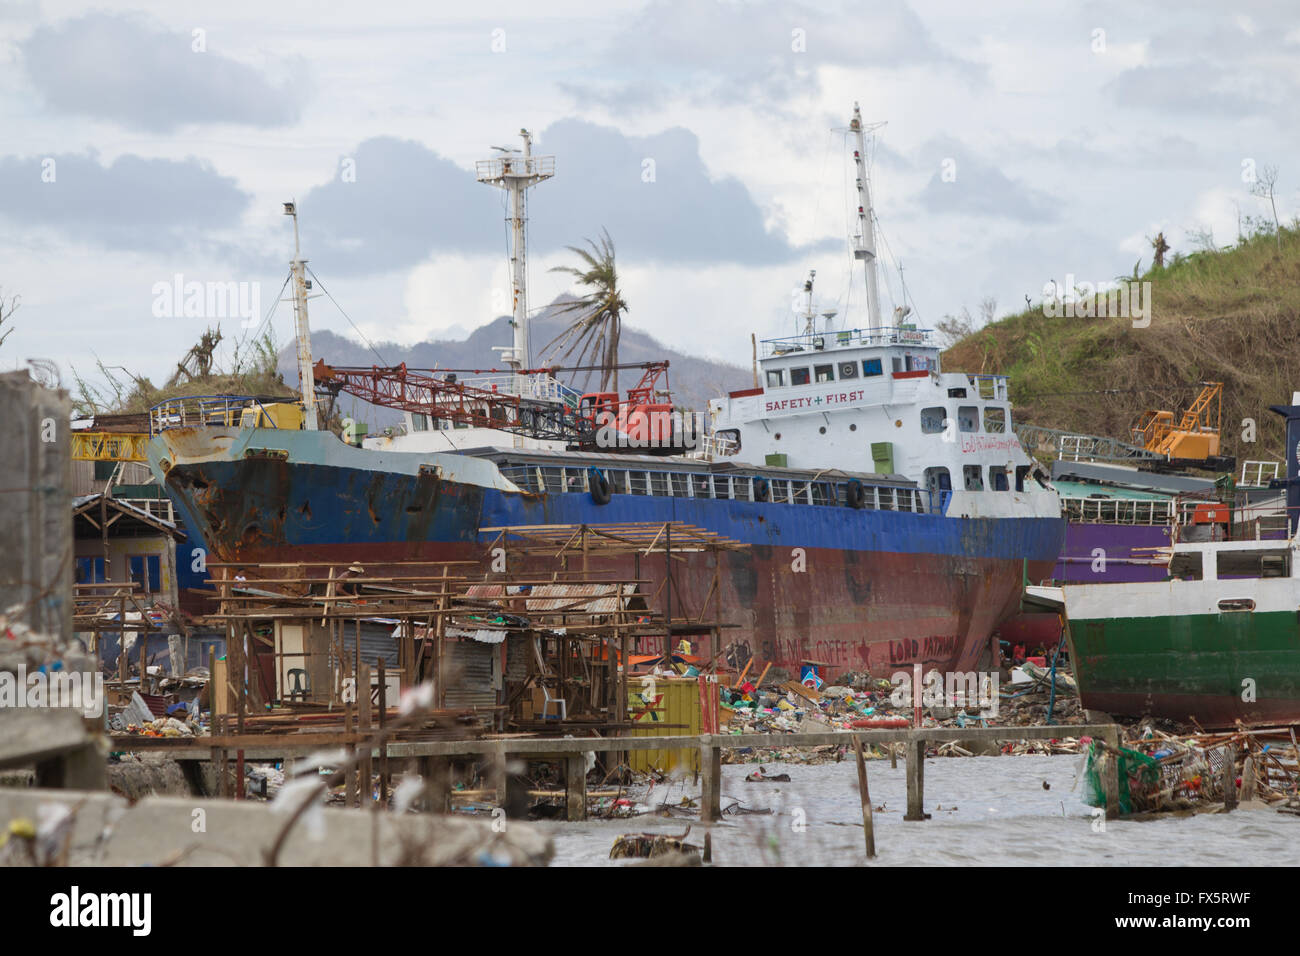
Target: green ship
1217, 643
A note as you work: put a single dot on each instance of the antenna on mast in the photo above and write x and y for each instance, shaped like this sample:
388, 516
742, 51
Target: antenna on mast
864, 243
302, 331
515, 172
809, 315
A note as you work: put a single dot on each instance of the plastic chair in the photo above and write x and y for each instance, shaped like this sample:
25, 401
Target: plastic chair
548, 700
300, 684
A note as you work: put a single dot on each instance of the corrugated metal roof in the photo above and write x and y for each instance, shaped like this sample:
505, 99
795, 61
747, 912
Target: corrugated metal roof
580, 598
484, 635
593, 598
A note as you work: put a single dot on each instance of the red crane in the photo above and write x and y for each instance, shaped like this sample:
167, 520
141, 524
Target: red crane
440, 395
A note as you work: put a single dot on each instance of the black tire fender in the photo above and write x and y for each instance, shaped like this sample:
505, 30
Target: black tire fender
854, 494
599, 485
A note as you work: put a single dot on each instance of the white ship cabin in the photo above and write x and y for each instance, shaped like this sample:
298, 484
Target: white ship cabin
1232, 560
876, 401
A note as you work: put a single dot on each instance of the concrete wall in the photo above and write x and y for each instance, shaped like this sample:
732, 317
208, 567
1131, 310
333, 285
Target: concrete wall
35, 517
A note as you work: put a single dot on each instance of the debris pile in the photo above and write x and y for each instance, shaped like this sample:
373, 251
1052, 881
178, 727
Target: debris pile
1201, 772
647, 845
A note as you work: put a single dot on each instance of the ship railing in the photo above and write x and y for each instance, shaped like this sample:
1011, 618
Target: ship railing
1258, 474
514, 164
157, 507
989, 386
712, 446
1130, 511
827, 341
542, 387
192, 411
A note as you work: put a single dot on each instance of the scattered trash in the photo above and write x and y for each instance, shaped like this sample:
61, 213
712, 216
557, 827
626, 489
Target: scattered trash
647, 845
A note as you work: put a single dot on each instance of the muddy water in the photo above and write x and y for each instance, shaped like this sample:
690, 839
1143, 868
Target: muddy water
984, 810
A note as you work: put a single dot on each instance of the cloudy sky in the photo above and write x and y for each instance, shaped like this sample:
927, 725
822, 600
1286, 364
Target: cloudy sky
1024, 141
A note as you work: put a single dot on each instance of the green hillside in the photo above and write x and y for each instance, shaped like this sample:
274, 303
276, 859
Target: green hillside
1231, 315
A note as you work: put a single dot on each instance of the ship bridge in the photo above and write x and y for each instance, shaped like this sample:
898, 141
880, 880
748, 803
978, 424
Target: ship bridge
850, 355
876, 401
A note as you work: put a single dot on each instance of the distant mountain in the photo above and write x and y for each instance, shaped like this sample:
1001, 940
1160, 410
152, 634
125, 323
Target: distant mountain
693, 380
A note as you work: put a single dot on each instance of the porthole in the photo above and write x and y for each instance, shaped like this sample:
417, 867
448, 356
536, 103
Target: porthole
822, 430
778, 436
853, 427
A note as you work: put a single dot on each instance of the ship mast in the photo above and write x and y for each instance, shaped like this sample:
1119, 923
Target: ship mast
809, 316
515, 172
306, 379
864, 246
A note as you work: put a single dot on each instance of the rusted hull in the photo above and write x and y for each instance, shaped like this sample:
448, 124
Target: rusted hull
856, 588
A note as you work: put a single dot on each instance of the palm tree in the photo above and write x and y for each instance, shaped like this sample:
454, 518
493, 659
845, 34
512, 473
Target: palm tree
592, 337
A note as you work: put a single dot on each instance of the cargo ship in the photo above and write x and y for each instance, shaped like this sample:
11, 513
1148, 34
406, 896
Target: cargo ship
1215, 641
888, 513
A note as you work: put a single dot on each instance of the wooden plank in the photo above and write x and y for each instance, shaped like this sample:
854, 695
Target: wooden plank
868, 824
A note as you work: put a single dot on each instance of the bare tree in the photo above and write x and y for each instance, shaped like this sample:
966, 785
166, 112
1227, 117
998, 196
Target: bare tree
953, 328
988, 310
7, 309
1265, 187
1159, 247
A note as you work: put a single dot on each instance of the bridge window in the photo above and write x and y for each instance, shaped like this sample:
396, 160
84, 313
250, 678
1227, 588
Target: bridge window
968, 418
419, 423
800, 376
1022, 471
775, 378
938, 479
995, 420
848, 370
871, 367
932, 419
956, 393
971, 477
998, 478
824, 373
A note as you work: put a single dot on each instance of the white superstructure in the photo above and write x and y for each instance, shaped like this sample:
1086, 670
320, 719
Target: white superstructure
877, 401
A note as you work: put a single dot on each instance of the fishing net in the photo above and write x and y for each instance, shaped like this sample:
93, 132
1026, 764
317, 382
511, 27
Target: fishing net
1139, 779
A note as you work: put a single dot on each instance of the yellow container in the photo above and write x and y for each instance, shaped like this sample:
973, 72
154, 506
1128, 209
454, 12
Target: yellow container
273, 415
679, 703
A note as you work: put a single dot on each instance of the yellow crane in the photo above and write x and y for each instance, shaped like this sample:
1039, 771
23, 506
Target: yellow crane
1195, 437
